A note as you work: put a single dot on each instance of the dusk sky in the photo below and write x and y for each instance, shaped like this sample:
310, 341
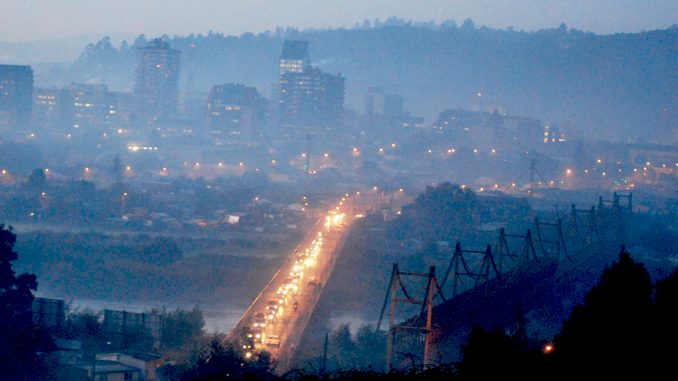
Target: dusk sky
31, 20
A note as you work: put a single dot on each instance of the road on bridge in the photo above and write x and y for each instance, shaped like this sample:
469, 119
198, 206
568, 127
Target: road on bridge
276, 319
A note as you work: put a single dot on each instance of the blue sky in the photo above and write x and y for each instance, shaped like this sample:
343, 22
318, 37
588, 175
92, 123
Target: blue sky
31, 20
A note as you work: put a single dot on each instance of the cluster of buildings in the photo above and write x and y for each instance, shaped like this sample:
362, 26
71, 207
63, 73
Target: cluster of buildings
93, 107
74, 362
306, 99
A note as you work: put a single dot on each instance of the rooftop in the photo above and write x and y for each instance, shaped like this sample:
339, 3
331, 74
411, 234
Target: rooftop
295, 50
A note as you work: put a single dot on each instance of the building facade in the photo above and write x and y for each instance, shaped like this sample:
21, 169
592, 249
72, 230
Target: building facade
235, 112
16, 96
294, 57
85, 106
156, 85
309, 100
47, 108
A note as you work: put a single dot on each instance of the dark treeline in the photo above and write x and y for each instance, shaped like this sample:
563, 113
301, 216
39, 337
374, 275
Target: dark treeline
588, 80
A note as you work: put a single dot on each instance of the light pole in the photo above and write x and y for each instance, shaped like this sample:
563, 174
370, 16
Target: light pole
122, 205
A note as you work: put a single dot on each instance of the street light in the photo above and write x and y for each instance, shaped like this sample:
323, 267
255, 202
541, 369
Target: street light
122, 205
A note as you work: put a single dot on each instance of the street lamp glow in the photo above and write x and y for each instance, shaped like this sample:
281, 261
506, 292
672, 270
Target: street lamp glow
547, 348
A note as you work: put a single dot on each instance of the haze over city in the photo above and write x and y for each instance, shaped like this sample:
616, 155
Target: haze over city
338, 190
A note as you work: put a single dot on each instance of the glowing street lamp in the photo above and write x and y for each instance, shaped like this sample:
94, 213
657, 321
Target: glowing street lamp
122, 204
547, 348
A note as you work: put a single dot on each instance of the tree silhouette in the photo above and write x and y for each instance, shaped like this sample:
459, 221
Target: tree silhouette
610, 335
18, 344
216, 362
37, 180
666, 329
484, 348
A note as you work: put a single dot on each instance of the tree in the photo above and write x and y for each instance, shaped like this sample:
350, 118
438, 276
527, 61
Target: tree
371, 348
610, 335
37, 180
217, 362
181, 328
666, 316
342, 348
18, 344
485, 348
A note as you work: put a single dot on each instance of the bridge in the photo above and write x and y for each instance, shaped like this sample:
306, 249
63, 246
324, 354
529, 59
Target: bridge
491, 287
275, 321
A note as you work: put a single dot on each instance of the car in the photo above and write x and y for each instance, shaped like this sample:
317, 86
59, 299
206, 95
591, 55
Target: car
273, 304
260, 321
273, 341
257, 335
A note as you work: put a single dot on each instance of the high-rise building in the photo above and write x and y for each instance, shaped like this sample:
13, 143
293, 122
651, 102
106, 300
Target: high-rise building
85, 105
156, 85
294, 57
235, 111
16, 95
308, 99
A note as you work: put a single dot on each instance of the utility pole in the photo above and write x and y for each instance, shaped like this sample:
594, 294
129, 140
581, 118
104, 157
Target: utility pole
428, 331
323, 366
390, 337
533, 170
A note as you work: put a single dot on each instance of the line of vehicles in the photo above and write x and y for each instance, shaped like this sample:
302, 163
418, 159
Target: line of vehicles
262, 332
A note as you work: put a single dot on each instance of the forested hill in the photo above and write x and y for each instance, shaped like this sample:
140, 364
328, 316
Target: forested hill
610, 86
